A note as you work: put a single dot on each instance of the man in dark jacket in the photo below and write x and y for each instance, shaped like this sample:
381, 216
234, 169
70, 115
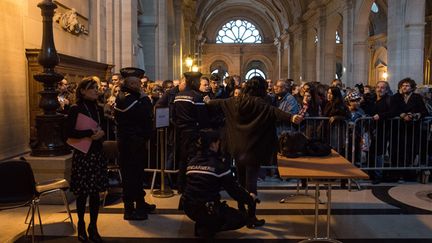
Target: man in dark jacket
133, 114
410, 107
188, 105
250, 129
380, 132
207, 174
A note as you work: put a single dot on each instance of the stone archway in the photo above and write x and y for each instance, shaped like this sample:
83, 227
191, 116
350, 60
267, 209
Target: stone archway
209, 60
379, 62
265, 61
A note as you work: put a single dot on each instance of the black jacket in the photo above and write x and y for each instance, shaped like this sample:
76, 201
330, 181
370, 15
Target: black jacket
92, 110
189, 110
134, 115
207, 175
382, 107
415, 104
250, 128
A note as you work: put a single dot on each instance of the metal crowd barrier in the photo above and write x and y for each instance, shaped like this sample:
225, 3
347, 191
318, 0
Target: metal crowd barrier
161, 159
332, 131
391, 144
370, 145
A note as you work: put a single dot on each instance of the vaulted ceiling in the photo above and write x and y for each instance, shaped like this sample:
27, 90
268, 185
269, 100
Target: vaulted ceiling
273, 16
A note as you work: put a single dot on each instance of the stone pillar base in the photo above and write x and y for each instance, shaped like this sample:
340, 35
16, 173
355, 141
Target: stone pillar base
48, 168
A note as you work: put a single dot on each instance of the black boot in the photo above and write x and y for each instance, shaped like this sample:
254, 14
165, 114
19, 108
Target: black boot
242, 209
253, 221
94, 234
82, 234
131, 214
145, 207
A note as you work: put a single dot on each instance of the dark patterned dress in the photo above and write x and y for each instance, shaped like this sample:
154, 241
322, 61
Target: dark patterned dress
89, 171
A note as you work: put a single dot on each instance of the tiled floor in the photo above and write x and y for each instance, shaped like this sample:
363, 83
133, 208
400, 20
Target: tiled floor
382, 213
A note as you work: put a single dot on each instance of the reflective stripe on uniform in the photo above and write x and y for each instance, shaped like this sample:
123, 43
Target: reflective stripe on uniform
208, 173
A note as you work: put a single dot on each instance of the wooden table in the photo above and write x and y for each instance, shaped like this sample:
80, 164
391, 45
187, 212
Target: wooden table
320, 170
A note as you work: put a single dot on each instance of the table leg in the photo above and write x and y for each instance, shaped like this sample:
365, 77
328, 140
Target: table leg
327, 238
316, 208
328, 209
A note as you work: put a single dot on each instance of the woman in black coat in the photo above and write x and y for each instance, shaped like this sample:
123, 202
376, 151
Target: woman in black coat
338, 112
250, 129
89, 170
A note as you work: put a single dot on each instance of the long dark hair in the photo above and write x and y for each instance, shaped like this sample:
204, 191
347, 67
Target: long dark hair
85, 84
315, 102
336, 106
256, 86
337, 95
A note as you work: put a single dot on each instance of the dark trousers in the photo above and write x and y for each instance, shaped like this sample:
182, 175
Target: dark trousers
185, 151
219, 217
133, 157
248, 177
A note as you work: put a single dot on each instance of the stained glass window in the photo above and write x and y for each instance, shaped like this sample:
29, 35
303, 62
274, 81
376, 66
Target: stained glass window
238, 31
254, 72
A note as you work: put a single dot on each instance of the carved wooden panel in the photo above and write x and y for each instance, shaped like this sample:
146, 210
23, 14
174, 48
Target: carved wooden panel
73, 69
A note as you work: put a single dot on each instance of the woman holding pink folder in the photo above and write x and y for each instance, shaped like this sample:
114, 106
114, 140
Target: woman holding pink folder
89, 167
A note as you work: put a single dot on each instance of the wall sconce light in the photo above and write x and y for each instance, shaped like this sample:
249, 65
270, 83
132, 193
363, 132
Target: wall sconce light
385, 76
195, 68
189, 62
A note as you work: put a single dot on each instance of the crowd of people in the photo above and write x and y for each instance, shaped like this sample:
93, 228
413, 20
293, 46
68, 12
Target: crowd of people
215, 124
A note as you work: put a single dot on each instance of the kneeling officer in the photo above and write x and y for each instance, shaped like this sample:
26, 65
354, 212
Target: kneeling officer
206, 174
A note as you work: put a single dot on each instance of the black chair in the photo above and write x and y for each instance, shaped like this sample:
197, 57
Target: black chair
111, 152
18, 188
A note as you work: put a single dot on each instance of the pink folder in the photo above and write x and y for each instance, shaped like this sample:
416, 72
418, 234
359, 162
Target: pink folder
83, 123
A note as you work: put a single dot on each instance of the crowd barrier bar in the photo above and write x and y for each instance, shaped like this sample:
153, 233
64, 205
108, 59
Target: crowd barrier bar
343, 136
392, 144
160, 152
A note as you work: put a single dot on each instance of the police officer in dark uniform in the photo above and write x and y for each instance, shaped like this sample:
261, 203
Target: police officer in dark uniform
207, 174
187, 116
133, 114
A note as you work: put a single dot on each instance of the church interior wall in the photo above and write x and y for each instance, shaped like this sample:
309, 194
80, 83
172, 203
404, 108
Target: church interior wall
240, 56
14, 117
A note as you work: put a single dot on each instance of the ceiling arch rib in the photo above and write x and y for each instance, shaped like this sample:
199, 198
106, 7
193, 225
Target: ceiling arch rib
277, 14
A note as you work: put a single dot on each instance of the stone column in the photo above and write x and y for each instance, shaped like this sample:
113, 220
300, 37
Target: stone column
278, 45
289, 48
326, 67
117, 36
296, 53
309, 56
406, 25
147, 32
284, 38
177, 46
347, 40
161, 42
303, 35
129, 23
110, 32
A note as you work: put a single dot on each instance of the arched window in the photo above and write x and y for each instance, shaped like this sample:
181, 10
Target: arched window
254, 72
238, 31
338, 38
374, 8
